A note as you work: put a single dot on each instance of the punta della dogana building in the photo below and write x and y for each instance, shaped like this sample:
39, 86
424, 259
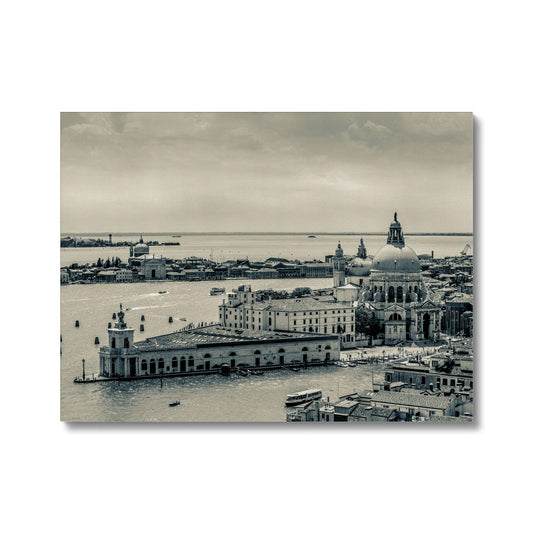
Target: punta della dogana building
208, 349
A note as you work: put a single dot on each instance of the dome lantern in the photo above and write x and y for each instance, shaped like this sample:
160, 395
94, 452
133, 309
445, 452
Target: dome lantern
395, 233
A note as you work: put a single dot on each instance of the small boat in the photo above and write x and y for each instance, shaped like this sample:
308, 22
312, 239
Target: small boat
362, 362
183, 319
298, 398
256, 372
311, 236
176, 236
173, 404
293, 368
217, 290
242, 372
162, 292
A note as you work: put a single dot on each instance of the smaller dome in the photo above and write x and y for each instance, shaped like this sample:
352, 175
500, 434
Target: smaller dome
141, 249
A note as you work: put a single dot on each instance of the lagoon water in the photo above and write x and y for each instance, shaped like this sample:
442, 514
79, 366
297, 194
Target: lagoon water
258, 247
203, 398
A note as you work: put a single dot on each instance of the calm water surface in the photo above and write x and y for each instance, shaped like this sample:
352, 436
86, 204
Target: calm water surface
260, 247
203, 398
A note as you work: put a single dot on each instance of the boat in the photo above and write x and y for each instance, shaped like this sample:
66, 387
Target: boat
311, 236
297, 398
163, 292
242, 372
293, 368
173, 404
217, 290
183, 319
176, 236
256, 372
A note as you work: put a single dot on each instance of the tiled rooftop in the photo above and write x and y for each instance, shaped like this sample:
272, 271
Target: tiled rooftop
218, 335
410, 399
301, 304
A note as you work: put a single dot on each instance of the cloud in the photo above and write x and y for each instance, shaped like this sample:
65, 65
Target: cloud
370, 134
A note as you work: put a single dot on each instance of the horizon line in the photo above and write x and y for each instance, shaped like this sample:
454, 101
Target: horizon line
438, 233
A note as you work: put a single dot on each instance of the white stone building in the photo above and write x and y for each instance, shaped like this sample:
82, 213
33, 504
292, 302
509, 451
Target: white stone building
312, 315
207, 349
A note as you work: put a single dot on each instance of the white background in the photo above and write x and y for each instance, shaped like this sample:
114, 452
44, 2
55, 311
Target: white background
264, 56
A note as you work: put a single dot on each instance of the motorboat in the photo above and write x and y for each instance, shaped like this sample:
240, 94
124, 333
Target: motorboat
173, 404
297, 398
217, 290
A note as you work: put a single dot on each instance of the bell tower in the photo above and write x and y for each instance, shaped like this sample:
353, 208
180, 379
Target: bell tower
113, 357
339, 264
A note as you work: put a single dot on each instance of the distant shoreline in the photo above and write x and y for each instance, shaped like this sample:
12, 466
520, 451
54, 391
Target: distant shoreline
423, 234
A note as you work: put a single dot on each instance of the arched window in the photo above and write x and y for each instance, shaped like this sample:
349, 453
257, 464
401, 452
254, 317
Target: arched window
232, 354
399, 294
144, 365
281, 350
191, 361
327, 347
113, 342
152, 366
174, 362
305, 349
395, 316
161, 363
310, 330
391, 293
416, 289
207, 356
257, 352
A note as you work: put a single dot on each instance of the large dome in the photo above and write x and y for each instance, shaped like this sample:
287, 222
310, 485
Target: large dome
394, 258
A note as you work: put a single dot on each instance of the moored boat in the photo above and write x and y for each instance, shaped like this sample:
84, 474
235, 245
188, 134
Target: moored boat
217, 290
298, 398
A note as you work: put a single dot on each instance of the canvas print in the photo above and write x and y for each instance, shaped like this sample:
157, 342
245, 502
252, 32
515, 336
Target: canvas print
267, 267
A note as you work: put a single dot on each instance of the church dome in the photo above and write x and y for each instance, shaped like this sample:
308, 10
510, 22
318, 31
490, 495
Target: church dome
140, 248
395, 256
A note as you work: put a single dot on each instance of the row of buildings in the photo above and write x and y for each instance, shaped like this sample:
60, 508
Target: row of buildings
438, 389
144, 266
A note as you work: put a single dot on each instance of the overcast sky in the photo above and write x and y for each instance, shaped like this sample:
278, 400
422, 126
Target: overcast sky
301, 172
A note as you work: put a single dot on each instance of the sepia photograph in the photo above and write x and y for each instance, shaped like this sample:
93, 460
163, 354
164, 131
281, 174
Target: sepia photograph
267, 267
270, 223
